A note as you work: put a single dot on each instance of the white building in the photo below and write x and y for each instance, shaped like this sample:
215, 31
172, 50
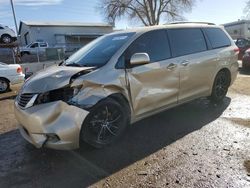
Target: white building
238, 29
67, 34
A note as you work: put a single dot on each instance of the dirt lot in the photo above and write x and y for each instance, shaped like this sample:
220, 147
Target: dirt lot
194, 145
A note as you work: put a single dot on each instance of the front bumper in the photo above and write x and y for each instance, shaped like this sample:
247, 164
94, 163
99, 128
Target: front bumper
234, 72
54, 125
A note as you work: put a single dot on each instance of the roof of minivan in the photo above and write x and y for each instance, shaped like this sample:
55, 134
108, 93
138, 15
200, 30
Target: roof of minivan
169, 26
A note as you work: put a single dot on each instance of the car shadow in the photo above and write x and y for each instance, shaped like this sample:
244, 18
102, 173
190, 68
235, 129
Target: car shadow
23, 165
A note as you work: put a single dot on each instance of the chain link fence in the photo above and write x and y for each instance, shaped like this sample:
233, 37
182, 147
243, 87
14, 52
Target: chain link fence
9, 54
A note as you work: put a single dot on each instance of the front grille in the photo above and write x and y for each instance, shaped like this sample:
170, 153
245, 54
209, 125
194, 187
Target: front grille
24, 99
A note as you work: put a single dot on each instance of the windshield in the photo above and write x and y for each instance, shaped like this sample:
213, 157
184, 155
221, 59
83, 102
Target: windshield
29, 45
98, 52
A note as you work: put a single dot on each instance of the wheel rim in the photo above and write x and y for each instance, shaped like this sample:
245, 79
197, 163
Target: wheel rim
6, 39
3, 86
104, 124
221, 85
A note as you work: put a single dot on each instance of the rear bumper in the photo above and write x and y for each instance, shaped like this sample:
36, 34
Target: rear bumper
54, 125
234, 72
17, 79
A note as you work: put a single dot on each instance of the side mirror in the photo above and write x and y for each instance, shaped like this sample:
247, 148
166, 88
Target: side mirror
139, 59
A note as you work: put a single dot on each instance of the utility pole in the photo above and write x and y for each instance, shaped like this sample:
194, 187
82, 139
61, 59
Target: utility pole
14, 15
18, 38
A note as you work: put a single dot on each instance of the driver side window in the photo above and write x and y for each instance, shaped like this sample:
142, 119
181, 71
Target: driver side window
35, 45
154, 43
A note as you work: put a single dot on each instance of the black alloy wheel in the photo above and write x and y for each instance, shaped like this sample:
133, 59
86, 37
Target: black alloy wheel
220, 87
106, 121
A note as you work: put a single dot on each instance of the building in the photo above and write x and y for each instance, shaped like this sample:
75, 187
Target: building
61, 34
238, 29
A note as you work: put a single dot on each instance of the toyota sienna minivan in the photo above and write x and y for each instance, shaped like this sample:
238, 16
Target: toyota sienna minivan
121, 78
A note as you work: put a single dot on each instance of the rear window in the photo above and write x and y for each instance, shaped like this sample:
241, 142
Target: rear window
217, 38
186, 41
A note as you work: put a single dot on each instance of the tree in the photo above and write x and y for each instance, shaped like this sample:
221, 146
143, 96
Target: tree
149, 12
247, 9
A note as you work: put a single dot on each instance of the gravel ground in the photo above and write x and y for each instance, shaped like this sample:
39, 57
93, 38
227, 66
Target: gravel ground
7, 118
194, 145
10, 94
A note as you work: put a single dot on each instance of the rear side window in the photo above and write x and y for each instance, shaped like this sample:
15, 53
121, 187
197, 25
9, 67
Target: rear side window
186, 41
43, 44
217, 38
155, 43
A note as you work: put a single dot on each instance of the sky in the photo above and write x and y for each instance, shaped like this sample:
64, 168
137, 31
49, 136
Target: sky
216, 11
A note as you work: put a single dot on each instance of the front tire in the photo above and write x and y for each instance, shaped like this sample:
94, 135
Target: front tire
220, 87
106, 122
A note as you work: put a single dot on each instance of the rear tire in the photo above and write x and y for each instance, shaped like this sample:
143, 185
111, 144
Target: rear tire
4, 85
220, 87
106, 122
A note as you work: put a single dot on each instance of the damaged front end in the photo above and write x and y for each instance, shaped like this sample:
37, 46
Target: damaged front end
53, 125
52, 106
48, 117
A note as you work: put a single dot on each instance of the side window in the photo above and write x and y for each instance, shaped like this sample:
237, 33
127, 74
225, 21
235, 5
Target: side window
35, 45
155, 43
186, 41
217, 38
43, 45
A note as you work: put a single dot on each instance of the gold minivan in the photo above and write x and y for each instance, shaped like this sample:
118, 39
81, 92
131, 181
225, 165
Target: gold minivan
121, 78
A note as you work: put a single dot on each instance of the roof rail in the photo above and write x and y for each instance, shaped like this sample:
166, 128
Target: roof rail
208, 23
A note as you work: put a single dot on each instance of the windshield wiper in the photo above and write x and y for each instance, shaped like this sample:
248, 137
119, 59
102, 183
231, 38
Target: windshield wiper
73, 65
61, 63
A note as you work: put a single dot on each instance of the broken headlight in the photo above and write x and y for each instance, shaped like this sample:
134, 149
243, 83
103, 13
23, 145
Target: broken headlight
64, 94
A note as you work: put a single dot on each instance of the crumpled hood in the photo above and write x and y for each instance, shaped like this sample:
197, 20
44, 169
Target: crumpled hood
54, 77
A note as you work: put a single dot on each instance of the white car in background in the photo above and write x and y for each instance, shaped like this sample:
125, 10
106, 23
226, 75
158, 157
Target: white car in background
34, 48
7, 35
10, 75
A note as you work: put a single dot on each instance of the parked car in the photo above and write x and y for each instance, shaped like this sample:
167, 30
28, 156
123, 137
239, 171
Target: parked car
69, 47
246, 60
10, 75
243, 44
7, 35
34, 48
121, 78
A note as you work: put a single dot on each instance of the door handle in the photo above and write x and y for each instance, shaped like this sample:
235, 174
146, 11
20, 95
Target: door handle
171, 66
185, 63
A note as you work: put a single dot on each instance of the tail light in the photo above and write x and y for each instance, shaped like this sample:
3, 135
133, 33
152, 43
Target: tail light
19, 70
237, 50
